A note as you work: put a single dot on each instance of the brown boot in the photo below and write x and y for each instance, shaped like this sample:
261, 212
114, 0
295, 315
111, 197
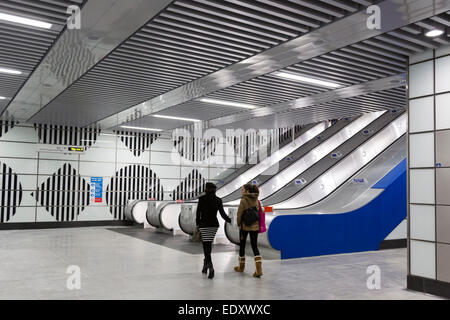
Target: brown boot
241, 266
258, 263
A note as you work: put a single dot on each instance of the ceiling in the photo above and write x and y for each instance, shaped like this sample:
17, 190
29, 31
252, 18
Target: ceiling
190, 41
23, 47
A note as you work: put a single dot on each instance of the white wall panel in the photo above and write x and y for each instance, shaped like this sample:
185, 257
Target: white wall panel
443, 74
423, 259
24, 214
97, 169
423, 225
421, 114
127, 156
165, 158
96, 213
21, 166
49, 167
21, 133
18, 150
421, 79
421, 150
99, 154
443, 111
422, 186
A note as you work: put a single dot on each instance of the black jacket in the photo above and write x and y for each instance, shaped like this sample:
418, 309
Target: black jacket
207, 208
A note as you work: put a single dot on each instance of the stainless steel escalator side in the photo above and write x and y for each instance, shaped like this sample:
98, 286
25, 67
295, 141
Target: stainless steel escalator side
247, 166
294, 178
293, 157
330, 179
357, 191
270, 161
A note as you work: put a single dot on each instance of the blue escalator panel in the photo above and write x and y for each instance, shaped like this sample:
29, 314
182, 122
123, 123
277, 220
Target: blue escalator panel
364, 229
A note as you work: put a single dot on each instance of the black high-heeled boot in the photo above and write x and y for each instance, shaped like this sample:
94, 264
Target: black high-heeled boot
205, 267
211, 270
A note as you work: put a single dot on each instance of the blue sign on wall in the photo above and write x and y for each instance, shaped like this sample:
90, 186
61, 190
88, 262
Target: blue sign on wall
97, 189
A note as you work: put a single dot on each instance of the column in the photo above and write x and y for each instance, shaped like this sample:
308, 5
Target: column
429, 172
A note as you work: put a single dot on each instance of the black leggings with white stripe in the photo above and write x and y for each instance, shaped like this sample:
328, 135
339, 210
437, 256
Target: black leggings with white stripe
208, 235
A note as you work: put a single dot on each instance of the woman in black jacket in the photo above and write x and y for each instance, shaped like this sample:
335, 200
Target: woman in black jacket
207, 222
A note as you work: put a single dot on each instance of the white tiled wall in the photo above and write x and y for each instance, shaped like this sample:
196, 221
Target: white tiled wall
19, 151
429, 165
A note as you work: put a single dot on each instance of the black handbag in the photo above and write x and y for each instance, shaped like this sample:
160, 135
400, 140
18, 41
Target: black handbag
250, 216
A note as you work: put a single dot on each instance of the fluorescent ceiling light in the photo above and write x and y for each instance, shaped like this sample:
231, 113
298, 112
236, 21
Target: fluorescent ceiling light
176, 118
139, 128
300, 78
21, 20
434, 33
228, 103
2, 98
10, 71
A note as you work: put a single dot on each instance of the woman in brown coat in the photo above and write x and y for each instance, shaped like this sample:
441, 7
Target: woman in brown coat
249, 199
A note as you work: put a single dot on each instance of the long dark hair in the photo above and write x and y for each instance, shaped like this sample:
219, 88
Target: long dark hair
251, 188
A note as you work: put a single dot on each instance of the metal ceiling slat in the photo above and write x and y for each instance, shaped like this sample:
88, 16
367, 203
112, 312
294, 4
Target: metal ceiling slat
310, 21
174, 54
321, 7
243, 18
370, 61
345, 5
176, 20
297, 10
209, 43
165, 57
209, 53
146, 68
421, 41
230, 24
388, 47
354, 50
365, 47
273, 17
401, 43
119, 61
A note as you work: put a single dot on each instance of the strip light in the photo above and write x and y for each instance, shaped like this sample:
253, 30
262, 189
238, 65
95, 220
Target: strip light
300, 78
175, 118
10, 71
228, 103
434, 33
26, 21
139, 128
2, 98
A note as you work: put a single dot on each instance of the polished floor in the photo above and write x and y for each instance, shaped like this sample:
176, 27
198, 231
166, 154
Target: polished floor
115, 264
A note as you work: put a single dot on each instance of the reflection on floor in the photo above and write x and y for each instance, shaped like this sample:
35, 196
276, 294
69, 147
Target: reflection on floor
113, 265
180, 242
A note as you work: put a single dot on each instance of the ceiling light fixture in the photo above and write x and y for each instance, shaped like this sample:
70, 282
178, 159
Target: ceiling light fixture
434, 33
26, 21
10, 71
2, 98
175, 118
139, 128
228, 103
300, 78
